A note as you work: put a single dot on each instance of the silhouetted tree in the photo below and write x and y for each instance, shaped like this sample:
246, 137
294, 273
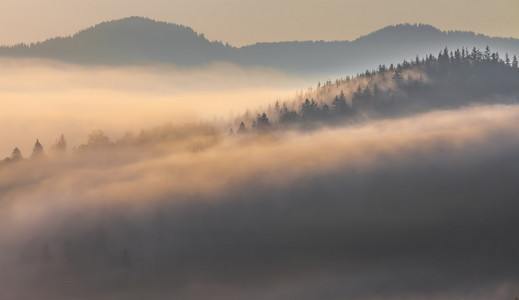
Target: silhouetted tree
397, 76
487, 54
515, 64
60, 145
37, 150
366, 93
287, 116
475, 56
242, 129
277, 107
310, 110
443, 57
495, 57
337, 105
17, 155
507, 59
325, 110
262, 122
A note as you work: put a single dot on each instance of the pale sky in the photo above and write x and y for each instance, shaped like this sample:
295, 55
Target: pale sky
241, 22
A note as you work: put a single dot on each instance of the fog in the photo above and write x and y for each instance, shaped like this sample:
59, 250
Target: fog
421, 207
43, 99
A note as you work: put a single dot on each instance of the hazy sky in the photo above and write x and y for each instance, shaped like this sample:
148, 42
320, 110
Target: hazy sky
242, 22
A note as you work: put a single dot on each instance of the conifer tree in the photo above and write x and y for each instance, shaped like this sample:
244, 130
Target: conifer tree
262, 122
475, 55
487, 54
37, 151
339, 105
397, 76
17, 154
287, 116
325, 110
242, 129
309, 109
61, 145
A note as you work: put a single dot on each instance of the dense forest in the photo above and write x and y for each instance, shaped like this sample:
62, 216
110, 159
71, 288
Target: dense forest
451, 79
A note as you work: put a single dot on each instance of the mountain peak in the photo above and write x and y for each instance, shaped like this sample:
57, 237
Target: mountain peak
138, 25
128, 40
407, 30
137, 21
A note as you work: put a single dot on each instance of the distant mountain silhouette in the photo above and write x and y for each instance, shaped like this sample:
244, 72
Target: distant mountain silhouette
129, 40
141, 40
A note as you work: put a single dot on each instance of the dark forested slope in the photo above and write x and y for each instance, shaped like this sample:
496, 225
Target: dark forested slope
451, 79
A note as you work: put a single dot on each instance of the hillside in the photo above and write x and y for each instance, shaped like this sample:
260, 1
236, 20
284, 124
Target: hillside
140, 40
451, 80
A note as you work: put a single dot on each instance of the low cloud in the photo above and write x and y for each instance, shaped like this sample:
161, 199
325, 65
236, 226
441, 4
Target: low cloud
421, 207
42, 99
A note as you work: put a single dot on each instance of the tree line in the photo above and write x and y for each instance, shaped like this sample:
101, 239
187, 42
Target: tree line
59, 147
449, 80
194, 136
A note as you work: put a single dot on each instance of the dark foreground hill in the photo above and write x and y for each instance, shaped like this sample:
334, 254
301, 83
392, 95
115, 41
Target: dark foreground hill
140, 40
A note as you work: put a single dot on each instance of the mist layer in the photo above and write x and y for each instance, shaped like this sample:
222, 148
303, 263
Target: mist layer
421, 207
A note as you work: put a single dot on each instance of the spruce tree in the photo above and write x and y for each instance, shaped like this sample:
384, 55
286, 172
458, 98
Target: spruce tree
60, 146
17, 154
339, 105
242, 129
262, 122
488, 55
37, 151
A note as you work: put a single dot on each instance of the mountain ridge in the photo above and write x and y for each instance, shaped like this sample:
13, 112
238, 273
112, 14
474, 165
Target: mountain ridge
142, 40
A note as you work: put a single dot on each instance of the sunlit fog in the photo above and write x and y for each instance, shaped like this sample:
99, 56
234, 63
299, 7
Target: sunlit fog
140, 160
44, 99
